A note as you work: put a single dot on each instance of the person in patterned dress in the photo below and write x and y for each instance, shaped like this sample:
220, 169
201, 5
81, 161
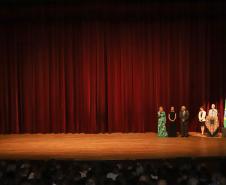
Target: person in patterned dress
162, 123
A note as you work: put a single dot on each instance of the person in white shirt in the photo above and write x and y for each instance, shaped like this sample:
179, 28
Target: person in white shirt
202, 119
213, 112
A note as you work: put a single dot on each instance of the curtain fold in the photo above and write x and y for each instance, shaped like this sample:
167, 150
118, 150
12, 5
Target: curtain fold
96, 76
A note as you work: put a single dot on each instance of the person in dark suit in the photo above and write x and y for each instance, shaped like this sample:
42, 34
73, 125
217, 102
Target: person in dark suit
184, 116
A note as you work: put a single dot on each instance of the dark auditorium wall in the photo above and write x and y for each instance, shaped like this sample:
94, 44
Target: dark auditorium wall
93, 68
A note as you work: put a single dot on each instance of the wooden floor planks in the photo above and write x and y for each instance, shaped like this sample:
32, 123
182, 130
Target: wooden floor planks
117, 146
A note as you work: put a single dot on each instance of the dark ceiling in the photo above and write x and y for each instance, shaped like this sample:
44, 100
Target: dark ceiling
34, 9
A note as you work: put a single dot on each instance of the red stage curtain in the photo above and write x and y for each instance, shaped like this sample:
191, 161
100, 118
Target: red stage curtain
110, 75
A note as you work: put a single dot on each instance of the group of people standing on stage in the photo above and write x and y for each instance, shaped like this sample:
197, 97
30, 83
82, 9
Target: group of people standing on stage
209, 121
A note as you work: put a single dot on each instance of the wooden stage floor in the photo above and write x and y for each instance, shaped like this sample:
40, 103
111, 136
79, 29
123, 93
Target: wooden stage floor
117, 146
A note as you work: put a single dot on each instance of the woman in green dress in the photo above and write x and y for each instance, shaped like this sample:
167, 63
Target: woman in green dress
162, 123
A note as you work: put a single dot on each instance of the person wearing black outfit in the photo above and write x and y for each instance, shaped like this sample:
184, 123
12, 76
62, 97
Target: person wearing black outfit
172, 127
184, 116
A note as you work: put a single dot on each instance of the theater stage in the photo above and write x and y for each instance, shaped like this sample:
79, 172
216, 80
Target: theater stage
117, 146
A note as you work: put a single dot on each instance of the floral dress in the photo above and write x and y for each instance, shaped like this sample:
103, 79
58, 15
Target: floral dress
162, 124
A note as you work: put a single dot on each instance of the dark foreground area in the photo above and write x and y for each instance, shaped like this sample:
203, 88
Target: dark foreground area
198, 171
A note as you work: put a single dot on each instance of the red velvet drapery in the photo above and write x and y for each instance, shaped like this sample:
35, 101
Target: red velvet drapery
107, 75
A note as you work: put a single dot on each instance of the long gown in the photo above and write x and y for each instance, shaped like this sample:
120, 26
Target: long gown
162, 124
172, 126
